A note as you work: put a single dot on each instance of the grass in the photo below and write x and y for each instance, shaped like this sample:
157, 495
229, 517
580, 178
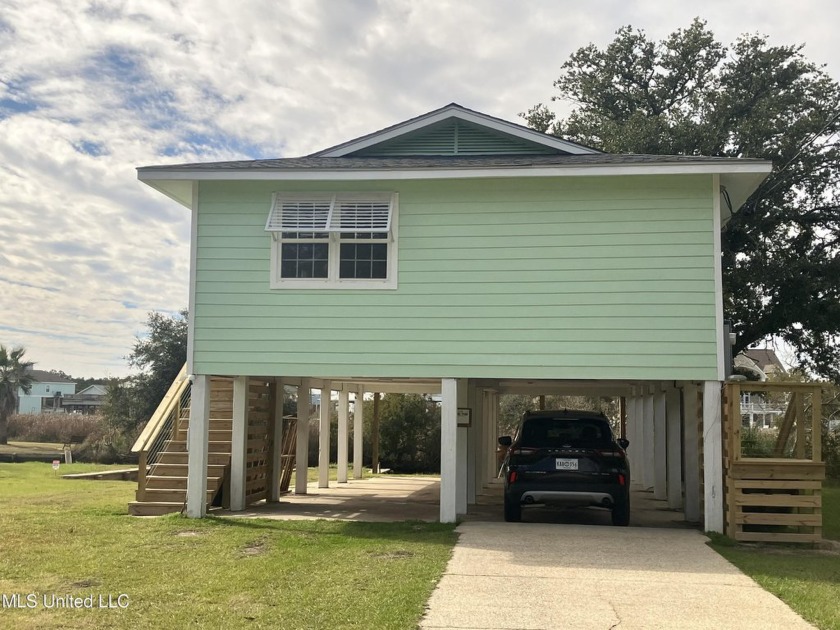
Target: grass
71, 537
831, 509
805, 579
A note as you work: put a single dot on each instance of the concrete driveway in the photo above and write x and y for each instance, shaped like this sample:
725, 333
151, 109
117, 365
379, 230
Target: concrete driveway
540, 575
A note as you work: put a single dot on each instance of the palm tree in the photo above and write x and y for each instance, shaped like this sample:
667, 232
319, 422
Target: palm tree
14, 374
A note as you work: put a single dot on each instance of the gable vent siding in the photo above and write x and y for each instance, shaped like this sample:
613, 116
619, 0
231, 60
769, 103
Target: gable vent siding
454, 139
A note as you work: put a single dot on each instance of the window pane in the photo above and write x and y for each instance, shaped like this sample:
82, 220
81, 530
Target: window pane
379, 269
363, 269
379, 251
347, 269
304, 260
363, 251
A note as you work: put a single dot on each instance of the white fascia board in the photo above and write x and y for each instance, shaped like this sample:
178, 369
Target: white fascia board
155, 178
451, 112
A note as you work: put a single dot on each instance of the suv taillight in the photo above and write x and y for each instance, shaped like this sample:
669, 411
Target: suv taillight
523, 450
611, 453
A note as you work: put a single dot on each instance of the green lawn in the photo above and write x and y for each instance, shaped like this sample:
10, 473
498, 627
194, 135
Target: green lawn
807, 580
72, 537
831, 510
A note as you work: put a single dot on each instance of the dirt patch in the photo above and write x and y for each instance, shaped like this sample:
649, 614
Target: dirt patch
398, 554
188, 533
255, 548
85, 584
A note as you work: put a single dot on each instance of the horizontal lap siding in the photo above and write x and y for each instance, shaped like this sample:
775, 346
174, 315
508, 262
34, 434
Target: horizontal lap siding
540, 278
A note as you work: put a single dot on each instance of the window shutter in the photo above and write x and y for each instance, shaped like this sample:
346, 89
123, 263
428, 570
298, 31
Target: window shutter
352, 215
289, 215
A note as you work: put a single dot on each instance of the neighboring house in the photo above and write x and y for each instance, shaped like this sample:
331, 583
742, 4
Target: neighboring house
464, 255
87, 401
757, 410
46, 393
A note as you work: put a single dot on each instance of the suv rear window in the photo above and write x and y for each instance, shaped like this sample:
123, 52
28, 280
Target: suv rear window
556, 432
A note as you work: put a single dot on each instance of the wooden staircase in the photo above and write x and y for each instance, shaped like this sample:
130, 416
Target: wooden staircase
162, 449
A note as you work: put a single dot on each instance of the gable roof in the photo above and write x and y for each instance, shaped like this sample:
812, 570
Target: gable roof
765, 359
427, 147
519, 139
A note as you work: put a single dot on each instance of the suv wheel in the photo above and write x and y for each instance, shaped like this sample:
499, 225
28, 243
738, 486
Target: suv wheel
621, 512
513, 510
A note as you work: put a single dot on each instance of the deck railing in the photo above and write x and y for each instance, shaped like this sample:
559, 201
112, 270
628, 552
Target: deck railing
774, 477
164, 425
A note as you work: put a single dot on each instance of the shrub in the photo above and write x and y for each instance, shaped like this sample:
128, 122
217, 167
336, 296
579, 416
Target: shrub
53, 427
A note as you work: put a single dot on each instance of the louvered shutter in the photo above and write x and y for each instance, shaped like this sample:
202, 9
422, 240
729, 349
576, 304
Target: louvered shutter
361, 215
303, 215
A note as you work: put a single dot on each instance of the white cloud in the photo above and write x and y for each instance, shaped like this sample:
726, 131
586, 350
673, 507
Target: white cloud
90, 91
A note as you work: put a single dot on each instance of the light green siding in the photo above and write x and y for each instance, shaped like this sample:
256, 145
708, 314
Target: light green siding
583, 278
455, 137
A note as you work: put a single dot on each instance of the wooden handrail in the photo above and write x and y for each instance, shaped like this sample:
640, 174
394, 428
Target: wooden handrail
170, 400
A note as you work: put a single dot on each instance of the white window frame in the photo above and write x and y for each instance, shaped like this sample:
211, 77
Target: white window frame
333, 281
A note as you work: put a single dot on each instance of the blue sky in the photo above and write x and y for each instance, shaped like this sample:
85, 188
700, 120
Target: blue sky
91, 90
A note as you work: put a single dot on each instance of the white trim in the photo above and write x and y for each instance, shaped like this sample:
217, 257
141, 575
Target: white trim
716, 222
193, 272
332, 281
455, 111
379, 174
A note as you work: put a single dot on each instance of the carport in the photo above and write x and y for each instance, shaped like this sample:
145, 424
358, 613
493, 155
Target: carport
663, 422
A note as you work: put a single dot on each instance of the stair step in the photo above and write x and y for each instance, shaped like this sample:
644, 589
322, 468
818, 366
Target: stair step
213, 459
177, 495
214, 446
154, 508
180, 470
216, 424
178, 483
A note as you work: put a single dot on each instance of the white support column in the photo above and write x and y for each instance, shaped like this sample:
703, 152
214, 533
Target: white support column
647, 449
197, 447
712, 457
463, 450
239, 443
343, 434
692, 454
489, 437
448, 450
660, 446
277, 447
633, 436
358, 432
473, 448
674, 429
304, 408
324, 436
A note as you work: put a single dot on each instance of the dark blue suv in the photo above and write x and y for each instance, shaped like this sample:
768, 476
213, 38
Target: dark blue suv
567, 458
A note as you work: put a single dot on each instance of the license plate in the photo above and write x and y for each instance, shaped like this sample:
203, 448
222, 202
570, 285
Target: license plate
566, 464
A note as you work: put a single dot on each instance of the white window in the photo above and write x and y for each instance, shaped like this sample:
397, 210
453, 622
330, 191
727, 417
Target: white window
342, 240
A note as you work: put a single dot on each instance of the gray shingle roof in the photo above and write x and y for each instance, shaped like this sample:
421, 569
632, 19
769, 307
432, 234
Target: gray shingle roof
442, 162
42, 376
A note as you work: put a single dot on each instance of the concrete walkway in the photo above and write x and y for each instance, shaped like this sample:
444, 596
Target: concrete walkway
539, 575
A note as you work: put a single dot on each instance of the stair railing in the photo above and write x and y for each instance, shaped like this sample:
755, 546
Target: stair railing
164, 425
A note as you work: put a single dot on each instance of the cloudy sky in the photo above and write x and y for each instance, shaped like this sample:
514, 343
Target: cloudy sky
89, 90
